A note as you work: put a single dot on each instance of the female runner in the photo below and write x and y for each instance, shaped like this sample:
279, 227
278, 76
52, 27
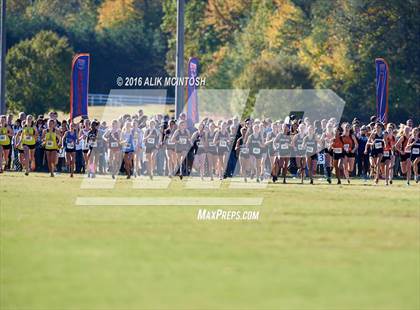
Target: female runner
376, 141
28, 138
138, 148
311, 142
152, 138
83, 137
337, 148
300, 151
112, 138
350, 147
282, 143
400, 147
18, 143
170, 148
212, 149
255, 144
182, 138
272, 152
243, 150
199, 139
327, 138
69, 143
6, 134
392, 140
52, 141
221, 139
93, 154
386, 158
414, 147
127, 148
264, 150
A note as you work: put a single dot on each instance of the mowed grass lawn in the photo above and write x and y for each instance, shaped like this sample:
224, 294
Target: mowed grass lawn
314, 247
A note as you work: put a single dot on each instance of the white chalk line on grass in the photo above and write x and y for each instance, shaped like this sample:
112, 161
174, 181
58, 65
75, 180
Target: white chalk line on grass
168, 201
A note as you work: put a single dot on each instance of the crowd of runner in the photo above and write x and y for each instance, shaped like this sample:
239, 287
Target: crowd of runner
137, 145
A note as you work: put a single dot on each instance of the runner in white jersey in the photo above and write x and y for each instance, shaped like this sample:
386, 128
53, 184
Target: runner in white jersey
138, 148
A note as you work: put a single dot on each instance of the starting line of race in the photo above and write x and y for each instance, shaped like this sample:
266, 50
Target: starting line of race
171, 201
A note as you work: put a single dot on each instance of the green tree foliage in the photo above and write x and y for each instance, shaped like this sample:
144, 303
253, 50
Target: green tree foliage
38, 74
247, 44
334, 43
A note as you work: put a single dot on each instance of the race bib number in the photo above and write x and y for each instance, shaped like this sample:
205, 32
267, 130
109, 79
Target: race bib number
386, 153
171, 143
70, 145
151, 140
309, 149
114, 144
321, 158
415, 151
211, 144
346, 147
28, 138
338, 150
244, 151
285, 146
50, 144
223, 143
2, 138
300, 147
182, 140
256, 150
276, 146
378, 145
93, 144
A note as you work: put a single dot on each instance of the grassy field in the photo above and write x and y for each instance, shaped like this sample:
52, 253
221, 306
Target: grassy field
314, 247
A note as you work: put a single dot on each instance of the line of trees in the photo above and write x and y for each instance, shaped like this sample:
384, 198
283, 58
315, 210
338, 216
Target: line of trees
241, 44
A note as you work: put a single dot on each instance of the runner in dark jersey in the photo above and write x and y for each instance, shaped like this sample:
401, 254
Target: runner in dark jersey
112, 138
93, 154
282, 144
326, 140
242, 150
272, 152
300, 151
182, 138
377, 142
152, 140
200, 143
69, 143
311, 142
255, 143
211, 149
413, 147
